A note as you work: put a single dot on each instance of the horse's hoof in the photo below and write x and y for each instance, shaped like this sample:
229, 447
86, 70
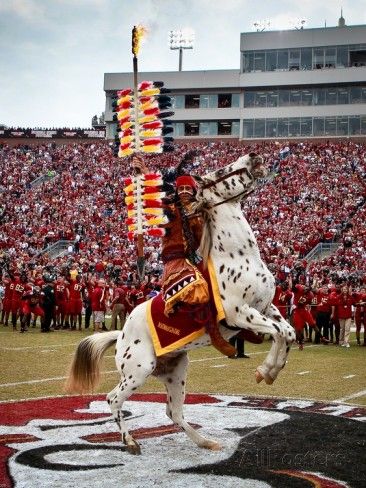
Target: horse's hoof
269, 380
258, 377
134, 449
212, 446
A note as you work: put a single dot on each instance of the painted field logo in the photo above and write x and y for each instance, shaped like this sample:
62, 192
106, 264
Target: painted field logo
72, 442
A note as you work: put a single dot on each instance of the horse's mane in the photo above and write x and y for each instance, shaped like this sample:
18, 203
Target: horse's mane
199, 206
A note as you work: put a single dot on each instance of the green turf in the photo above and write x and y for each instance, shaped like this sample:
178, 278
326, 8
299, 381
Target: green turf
33, 357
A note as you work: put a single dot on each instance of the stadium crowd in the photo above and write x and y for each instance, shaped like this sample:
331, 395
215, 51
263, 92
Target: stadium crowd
315, 193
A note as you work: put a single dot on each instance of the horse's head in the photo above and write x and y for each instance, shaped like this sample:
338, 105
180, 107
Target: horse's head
232, 182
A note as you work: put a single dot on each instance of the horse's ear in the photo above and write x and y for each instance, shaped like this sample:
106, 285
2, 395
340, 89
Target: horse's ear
253, 155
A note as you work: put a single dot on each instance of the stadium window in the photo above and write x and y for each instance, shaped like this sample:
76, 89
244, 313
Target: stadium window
342, 126
343, 96
192, 101
272, 98
208, 128
295, 97
259, 128
294, 127
355, 94
261, 99
330, 96
342, 57
224, 100
330, 54
235, 100
178, 129
249, 99
204, 102
271, 60
294, 60
306, 97
282, 128
191, 129
319, 96
318, 126
178, 101
306, 58
363, 124
224, 128
248, 126
354, 124
318, 58
271, 127
306, 126
259, 61
284, 98
282, 59
363, 94
330, 126
248, 62
235, 128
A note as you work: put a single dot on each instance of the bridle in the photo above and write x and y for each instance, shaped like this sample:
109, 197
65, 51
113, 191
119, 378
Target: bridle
210, 184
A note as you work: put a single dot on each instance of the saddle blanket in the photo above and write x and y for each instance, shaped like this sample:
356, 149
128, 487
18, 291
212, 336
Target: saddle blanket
180, 328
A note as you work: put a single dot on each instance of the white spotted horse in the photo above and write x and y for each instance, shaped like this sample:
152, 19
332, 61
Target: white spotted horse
246, 287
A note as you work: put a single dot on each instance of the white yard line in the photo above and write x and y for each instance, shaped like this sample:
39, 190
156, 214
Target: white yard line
44, 380
303, 372
351, 397
348, 376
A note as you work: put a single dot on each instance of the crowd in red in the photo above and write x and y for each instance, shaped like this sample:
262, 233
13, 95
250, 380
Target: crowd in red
315, 193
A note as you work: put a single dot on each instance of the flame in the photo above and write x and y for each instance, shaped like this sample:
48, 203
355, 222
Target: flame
138, 33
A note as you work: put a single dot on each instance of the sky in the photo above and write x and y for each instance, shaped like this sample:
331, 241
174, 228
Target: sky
54, 53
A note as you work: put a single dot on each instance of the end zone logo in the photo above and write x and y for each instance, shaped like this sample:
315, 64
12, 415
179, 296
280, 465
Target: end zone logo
73, 442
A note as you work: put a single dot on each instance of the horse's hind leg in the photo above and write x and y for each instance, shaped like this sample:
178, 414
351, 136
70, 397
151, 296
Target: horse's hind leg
133, 375
172, 371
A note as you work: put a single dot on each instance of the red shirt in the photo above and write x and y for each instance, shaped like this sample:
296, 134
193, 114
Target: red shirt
302, 297
98, 299
344, 306
75, 289
323, 302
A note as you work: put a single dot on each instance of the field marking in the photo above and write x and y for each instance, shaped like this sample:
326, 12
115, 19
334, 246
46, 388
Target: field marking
351, 397
348, 376
45, 380
219, 366
304, 372
37, 346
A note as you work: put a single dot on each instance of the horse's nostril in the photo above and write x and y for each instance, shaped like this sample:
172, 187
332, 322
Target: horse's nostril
253, 155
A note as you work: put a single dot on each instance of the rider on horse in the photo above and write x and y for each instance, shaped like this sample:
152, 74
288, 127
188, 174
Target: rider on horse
183, 285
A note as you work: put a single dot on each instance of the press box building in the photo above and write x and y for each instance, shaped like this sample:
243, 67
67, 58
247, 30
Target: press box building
306, 83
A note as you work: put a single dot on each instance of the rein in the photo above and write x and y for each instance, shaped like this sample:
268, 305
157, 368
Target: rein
225, 177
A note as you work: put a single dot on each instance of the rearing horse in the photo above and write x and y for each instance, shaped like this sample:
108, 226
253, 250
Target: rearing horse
246, 288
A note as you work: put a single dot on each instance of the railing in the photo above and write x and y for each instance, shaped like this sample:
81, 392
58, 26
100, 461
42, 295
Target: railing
320, 249
55, 249
42, 179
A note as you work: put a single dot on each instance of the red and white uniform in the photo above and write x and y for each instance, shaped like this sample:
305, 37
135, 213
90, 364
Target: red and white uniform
61, 297
8, 293
31, 302
17, 288
302, 316
75, 300
282, 300
360, 311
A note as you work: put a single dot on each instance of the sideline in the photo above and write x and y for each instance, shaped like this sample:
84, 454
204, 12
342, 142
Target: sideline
350, 397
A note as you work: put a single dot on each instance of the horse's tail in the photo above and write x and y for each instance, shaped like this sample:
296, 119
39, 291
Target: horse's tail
84, 373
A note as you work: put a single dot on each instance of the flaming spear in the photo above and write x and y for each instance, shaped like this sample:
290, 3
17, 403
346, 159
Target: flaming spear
139, 114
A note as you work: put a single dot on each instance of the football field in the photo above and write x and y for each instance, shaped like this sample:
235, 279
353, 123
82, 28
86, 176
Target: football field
34, 365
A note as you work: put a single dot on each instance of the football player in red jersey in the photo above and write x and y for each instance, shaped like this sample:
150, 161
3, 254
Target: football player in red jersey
323, 312
31, 305
8, 292
17, 287
62, 298
301, 315
282, 299
76, 288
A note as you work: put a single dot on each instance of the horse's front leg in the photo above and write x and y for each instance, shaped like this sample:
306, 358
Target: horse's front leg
290, 335
249, 318
173, 373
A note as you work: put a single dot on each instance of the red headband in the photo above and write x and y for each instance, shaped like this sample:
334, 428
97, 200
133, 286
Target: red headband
186, 180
